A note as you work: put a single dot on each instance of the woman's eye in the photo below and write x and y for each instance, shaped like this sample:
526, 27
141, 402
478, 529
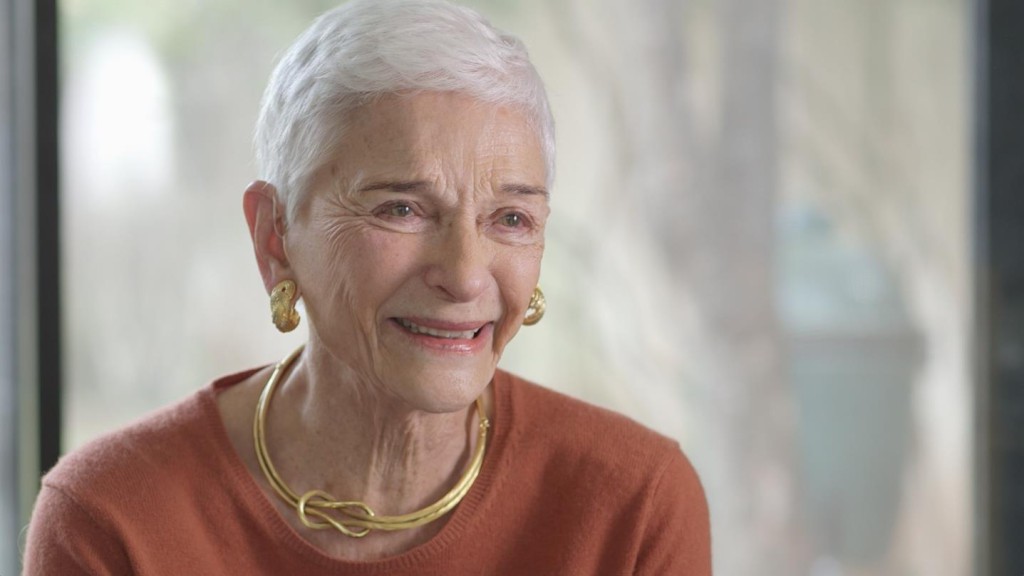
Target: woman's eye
512, 220
399, 210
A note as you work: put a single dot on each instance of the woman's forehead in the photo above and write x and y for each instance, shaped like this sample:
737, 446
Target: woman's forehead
429, 132
432, 126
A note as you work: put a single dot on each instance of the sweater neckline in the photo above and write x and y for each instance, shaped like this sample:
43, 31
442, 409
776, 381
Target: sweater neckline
470, 511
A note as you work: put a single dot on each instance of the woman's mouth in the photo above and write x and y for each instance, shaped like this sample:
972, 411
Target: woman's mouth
443, 330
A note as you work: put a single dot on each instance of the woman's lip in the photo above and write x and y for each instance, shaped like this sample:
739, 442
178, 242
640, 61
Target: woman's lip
444, 325
458, 346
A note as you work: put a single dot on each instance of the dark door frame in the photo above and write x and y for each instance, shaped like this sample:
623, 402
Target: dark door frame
999, 282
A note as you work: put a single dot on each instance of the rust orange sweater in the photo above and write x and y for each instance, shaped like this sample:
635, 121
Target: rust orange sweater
566, 488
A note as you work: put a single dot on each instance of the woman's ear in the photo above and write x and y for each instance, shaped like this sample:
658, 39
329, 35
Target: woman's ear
266, 228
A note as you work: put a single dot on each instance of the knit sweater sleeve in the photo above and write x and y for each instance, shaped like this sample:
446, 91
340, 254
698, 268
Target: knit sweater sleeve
677, 528
65, 539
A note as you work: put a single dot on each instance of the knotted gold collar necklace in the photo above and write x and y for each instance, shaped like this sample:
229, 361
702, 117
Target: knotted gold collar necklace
319, 510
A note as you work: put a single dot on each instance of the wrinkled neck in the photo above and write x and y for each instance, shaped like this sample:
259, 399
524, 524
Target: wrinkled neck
329, 429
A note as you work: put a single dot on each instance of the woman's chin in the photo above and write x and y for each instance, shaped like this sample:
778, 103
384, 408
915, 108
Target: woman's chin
437, 375
438, 389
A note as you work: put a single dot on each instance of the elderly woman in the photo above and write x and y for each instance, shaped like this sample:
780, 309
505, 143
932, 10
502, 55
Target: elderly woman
407, 155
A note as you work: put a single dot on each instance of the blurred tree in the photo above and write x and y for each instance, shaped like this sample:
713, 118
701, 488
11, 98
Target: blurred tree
702, 191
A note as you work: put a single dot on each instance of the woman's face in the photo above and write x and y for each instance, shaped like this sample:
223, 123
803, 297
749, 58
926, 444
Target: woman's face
418, 251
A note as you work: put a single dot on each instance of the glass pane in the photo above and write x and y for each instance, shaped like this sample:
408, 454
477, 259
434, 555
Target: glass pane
162, 294
759, 245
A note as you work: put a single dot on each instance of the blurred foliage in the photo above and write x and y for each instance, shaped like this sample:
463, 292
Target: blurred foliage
181, 31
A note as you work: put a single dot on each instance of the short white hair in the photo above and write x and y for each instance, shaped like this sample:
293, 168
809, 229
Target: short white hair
368, 48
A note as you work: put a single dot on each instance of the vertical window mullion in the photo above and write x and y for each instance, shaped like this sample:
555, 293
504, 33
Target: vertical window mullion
48, 219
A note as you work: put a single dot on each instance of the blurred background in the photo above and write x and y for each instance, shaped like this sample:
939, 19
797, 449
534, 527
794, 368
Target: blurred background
763, 244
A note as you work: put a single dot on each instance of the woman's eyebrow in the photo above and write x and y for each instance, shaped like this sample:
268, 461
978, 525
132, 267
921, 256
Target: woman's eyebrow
423, 185
396, 186
524, 189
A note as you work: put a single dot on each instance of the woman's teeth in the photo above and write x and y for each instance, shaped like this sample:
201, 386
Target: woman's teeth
463, 335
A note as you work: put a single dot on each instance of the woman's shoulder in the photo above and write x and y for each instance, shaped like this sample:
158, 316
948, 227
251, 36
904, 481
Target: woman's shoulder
155, 449
567, 455
108, 504
109, 460
588, 436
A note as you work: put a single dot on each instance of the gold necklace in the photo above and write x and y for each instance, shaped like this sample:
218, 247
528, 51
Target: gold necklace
356, 518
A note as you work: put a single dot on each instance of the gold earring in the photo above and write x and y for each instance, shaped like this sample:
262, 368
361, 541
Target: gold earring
535, 311
282, 306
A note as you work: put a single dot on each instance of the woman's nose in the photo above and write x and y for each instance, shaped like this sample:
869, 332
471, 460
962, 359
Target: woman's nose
460, 267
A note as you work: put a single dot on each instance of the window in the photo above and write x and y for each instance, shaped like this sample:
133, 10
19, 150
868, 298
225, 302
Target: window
760, 245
